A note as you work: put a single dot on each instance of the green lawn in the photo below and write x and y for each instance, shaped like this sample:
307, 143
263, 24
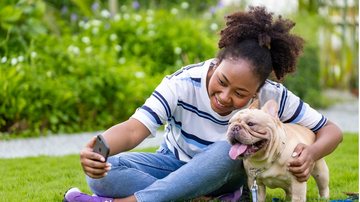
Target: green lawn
47, 178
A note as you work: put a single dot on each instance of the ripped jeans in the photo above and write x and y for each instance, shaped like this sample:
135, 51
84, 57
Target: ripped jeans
161, 176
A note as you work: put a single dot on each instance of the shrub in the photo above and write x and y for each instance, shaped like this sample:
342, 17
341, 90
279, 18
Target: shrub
97, 72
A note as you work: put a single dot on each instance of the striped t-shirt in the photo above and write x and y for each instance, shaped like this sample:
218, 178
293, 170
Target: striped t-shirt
182, 103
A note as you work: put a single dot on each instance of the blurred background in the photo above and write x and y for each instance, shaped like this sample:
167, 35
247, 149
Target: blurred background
83, 65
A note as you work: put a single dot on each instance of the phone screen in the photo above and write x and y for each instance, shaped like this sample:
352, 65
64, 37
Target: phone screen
101, 147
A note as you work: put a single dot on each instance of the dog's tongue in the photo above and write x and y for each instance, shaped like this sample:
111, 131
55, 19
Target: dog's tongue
236, 150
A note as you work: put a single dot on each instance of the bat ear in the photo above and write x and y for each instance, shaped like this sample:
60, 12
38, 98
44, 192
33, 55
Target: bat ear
255, 104
271, 107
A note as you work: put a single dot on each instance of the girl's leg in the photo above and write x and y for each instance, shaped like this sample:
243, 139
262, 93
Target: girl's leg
210, 171
132, 171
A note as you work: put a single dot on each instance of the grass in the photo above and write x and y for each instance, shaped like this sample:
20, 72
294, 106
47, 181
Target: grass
46, 178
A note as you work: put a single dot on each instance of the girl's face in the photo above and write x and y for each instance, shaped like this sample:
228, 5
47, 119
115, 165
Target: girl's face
231, 85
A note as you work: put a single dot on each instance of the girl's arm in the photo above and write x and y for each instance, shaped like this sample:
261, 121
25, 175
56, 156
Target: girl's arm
327, 139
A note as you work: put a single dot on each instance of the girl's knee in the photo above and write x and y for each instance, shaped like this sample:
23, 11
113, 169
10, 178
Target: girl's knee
101, 186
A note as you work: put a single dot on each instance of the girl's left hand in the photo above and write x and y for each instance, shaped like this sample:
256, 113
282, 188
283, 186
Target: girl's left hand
302, 162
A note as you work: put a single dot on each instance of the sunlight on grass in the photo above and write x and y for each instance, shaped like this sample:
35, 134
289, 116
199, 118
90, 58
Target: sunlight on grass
47, 178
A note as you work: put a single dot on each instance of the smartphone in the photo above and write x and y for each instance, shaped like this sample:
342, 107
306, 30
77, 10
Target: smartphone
101, 147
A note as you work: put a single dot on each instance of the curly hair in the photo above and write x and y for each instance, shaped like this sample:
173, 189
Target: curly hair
265, 42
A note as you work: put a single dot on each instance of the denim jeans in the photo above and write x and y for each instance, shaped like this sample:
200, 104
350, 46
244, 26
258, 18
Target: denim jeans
161, 176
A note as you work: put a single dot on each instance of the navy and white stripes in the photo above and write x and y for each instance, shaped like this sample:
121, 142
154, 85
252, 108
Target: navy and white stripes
181, 101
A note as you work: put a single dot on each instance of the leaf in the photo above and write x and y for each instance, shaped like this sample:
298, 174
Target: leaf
10, 14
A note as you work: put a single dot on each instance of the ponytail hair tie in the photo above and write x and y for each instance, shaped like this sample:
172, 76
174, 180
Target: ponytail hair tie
264, 40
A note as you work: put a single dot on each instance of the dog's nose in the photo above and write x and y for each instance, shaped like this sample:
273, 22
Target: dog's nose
236, 128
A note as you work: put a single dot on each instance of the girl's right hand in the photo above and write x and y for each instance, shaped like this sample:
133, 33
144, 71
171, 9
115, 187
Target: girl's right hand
93, 164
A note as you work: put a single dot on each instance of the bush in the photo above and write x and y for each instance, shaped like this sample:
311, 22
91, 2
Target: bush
89, 70
97, 72
305, 82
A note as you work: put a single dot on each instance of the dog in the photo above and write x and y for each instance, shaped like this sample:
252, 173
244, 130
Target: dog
266, 145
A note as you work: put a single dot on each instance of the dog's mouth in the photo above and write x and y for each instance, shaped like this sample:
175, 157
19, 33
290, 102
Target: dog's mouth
239, 150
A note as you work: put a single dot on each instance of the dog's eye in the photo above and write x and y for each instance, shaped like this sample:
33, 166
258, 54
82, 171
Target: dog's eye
250, 124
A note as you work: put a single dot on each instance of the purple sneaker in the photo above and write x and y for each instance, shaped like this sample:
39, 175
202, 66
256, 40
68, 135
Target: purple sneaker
232, 197
75, 195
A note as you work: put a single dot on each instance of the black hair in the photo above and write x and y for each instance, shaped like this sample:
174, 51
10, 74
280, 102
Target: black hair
266, 43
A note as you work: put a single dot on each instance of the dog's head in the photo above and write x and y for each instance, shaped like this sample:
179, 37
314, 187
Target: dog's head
250, 130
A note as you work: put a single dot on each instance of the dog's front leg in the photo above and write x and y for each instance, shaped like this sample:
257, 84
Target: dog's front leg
261, 193
298, 190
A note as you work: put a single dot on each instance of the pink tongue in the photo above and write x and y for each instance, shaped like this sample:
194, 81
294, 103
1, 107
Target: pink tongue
237, 150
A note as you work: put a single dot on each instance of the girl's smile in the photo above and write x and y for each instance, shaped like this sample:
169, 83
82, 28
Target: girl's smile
231, 85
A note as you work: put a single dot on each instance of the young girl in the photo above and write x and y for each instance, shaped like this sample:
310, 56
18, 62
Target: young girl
196, 103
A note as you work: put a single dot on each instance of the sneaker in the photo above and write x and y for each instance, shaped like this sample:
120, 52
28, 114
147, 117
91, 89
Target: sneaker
232, 197
75, 195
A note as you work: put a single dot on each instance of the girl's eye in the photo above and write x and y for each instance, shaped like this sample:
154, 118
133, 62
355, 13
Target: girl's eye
239, 95
221, 82
251, 124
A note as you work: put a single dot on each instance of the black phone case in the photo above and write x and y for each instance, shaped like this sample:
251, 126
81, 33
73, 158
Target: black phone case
101, 147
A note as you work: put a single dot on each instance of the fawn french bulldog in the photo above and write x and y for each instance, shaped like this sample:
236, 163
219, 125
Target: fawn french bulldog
266, 145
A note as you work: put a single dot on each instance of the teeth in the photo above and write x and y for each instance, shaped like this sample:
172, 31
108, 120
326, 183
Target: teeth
219, 103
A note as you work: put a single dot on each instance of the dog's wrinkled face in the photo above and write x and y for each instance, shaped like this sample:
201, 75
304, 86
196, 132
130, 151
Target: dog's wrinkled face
250, 130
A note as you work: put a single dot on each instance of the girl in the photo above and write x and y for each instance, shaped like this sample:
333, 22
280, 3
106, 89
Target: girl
196, 103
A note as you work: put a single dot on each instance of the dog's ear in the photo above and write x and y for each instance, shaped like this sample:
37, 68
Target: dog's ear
255, 104
271, 107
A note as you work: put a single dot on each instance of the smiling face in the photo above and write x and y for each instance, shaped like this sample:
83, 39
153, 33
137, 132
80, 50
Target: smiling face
231, 85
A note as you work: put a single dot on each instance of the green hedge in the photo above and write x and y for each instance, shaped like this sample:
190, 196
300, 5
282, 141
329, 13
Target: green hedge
87, 73
97, 75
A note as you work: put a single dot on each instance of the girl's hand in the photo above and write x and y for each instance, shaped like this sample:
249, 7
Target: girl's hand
302, 162
93, 164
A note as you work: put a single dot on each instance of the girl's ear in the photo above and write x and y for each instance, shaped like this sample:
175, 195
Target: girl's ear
271, 107
255, 104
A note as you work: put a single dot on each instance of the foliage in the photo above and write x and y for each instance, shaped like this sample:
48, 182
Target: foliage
47, 178
97, 72
305, 82
78, 67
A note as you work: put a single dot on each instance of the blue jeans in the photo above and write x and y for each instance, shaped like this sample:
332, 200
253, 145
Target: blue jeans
161, 176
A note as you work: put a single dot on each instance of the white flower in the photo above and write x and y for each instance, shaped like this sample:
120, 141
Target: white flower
123, 8
81, 23
20, 58
151, 26
113, 37
33, 54
137, 18
214, 26
74, 49
86, 25
13, 61
184, 5
122, 60
49, 74
149, 19
139, 31
105, 13
88, 49
174, 11
95, 31
151, 33
177, 50
95, 23
118, 48
126, 16
3, 59
85, 40
117, 17
150, 12
139, 74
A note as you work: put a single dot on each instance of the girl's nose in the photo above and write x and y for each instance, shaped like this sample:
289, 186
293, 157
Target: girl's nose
225, 98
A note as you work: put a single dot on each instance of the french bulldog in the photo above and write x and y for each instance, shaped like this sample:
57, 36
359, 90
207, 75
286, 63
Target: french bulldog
266, 145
